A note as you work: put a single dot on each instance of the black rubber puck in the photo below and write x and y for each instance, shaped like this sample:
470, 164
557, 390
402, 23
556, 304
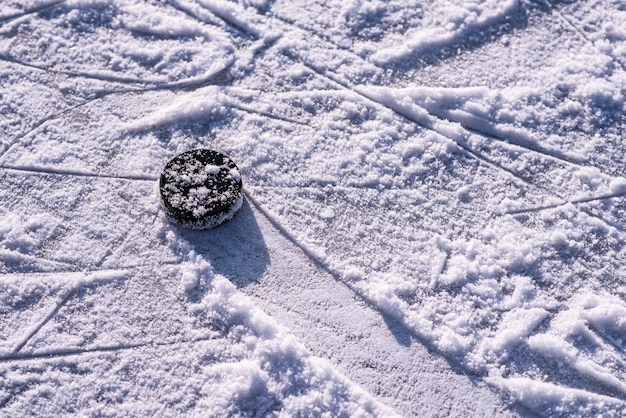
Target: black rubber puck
201, 189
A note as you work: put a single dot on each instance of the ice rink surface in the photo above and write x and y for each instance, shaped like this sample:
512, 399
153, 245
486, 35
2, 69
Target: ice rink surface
433, 222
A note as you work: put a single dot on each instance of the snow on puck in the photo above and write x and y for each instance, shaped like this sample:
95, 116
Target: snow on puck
201, 189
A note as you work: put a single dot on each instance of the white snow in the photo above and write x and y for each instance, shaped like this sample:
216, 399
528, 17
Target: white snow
433, 221
203, 103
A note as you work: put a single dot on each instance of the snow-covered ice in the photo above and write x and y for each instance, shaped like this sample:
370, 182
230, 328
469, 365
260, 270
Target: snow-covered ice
433, 223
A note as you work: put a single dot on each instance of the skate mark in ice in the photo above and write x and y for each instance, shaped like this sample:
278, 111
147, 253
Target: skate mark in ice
254, 25
44, 122
602, 218
101, 94
317, 185
80, 74
230, 15
32, 10
128, 237
554, 11
34, 330
571, 23
77, 269
195, 11
85, 279
314, 32
237, 17
65, 352
423, 105
618, 345
15, 141
541, 397
311, 254
251, 110
66, 230
508, 141
43, 263
587, 338
337, 188
233, 16
75, 173
424, 119
213, 73
448, 103
211, 101
572, 201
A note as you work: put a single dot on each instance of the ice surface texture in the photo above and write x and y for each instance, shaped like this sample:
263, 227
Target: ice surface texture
457, 167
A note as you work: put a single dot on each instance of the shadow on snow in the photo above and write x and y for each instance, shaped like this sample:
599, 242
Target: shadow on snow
236, 249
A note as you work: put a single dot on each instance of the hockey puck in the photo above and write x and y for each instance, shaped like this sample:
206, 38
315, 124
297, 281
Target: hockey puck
201, 189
